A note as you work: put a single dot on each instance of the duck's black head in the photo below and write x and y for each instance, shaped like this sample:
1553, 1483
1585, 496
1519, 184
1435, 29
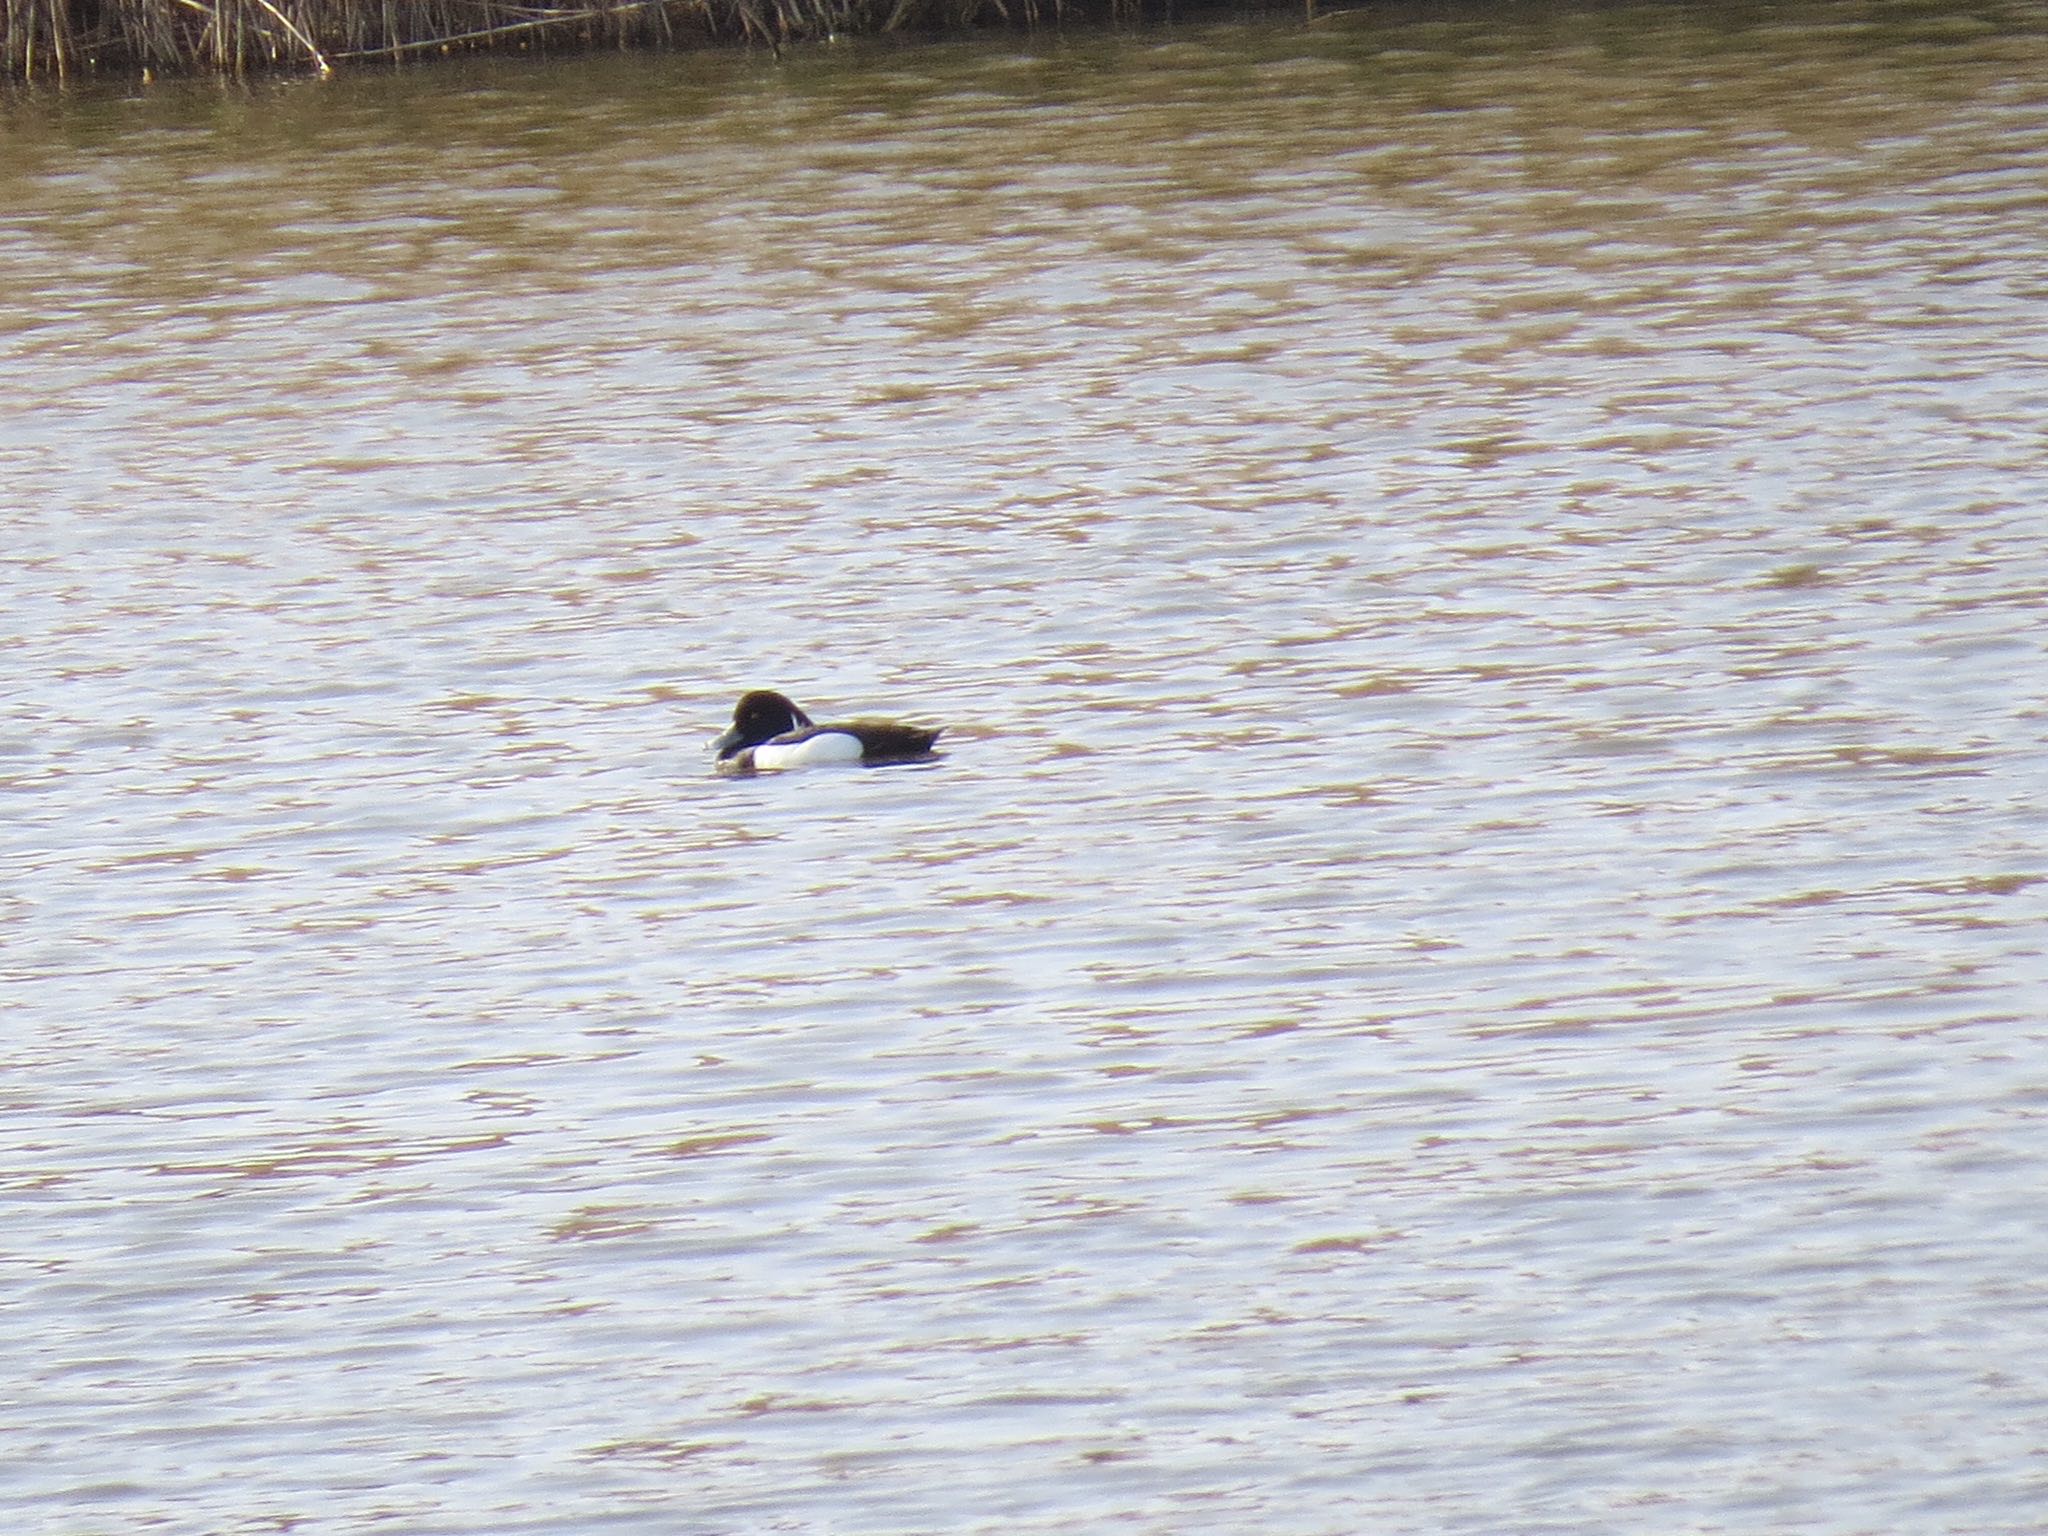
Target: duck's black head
759, 716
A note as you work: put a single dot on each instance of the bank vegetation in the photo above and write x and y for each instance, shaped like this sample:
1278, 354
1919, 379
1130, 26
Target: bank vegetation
63, 39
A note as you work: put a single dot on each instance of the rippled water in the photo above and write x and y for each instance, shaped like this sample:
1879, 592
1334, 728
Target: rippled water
1474, 963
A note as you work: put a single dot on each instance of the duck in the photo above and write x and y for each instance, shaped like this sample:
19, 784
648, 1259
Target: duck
770, 734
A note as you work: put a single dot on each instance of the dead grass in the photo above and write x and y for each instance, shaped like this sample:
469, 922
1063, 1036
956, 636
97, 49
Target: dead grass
62, 39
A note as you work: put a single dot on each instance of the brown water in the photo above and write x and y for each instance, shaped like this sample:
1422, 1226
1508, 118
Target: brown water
1475, 963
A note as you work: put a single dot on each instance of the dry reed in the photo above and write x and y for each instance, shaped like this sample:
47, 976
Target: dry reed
65, 38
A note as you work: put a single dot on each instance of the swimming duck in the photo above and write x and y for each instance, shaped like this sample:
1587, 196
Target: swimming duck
770, 733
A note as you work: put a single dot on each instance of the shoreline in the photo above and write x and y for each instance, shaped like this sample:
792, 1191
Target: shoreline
67, 40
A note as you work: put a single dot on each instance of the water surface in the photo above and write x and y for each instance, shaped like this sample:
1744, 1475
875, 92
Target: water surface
1475, 960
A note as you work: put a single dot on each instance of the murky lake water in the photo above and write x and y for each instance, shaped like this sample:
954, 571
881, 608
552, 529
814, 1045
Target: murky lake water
1475, 963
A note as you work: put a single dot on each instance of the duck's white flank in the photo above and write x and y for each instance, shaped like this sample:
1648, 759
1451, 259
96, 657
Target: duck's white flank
825, 747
